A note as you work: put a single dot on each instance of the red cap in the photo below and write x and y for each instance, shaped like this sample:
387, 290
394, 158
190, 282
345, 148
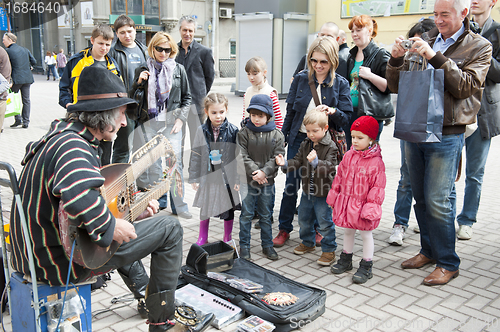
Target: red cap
367, 125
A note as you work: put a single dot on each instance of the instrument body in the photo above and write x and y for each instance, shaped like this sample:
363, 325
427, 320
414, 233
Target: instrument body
122, 198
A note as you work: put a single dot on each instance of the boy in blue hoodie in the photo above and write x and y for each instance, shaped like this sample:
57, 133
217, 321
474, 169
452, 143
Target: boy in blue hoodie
260, 142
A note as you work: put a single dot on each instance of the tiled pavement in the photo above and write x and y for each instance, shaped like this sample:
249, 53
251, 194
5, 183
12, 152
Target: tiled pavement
393, 300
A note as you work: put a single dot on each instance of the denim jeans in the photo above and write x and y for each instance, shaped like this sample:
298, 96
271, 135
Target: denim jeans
292, 186
262, 196
404, 195
312, 207
433, 168
152, 128
476, 151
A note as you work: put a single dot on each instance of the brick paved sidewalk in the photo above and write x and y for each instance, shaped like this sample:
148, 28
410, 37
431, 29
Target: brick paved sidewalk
393, 300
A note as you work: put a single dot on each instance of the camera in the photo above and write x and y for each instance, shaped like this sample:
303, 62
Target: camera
406, 44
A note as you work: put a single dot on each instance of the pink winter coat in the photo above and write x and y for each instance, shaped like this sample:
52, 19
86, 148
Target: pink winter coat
358, 190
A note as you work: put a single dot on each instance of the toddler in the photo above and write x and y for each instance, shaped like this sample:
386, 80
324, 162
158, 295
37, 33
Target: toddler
316, 160
357, 195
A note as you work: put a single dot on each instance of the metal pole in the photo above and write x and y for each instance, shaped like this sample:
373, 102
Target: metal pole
71, 36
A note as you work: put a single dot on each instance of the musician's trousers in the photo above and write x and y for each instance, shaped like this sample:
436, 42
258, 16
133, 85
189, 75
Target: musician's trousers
160, 236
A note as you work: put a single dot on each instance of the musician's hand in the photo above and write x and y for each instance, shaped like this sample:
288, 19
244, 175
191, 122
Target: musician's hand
152, 209
195, 186
124, 231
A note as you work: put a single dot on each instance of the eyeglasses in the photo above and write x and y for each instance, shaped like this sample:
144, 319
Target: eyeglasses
163, 49
315, 62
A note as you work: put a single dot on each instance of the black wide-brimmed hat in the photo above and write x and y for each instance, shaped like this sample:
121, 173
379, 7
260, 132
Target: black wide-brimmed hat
100, 90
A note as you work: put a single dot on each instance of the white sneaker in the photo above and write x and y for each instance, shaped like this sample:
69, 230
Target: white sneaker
397, 236
464, 232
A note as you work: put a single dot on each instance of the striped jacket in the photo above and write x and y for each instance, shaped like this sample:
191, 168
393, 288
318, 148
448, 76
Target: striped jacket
63, 165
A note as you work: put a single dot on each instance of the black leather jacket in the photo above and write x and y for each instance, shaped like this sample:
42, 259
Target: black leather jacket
117, 52
178, 102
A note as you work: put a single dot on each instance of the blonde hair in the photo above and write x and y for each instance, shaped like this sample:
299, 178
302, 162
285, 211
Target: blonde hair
316, 117
214, 98
256, 64
329, 47
160, 38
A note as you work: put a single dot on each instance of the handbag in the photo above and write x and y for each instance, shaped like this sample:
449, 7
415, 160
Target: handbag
338, 137
14, 104
420, 108
372, 101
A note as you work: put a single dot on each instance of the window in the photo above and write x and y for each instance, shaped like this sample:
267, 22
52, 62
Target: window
150, 9
232, 48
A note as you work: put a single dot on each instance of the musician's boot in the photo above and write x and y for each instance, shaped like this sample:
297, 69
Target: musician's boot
136, 279
203, 237
228, 230
161, 310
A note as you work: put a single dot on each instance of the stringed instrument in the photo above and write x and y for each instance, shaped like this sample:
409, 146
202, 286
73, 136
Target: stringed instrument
122, 198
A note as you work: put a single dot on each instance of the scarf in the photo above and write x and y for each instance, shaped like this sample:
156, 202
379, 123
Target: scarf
270, 126
159, 84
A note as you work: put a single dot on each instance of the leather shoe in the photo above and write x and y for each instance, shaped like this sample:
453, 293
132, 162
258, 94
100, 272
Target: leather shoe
440, 276
270, 253
245, 253
417, 262
15, 124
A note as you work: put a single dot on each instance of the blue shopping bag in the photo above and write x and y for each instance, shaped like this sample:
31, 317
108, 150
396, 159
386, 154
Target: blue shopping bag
420, 108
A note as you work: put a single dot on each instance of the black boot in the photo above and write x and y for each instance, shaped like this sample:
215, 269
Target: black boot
364, 272
161, 310
343, 264
136, 279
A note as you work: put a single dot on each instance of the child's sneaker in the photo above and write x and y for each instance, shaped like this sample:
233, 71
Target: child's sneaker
343, 264
302, 249
327, 258
364, 272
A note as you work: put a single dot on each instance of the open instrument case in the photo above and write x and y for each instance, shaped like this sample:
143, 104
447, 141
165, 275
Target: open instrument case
310, 303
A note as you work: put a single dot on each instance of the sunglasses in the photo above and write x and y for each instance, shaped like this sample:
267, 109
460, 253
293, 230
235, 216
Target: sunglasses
315, 62
163, 49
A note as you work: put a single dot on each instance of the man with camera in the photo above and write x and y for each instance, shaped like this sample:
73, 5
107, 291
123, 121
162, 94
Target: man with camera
465, 59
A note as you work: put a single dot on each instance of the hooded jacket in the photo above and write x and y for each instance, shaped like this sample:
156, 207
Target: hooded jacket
358, 190
465, 65
62, 166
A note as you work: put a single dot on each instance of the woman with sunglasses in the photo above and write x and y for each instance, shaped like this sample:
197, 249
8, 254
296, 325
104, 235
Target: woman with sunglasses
366, 69
162, 90
335, 100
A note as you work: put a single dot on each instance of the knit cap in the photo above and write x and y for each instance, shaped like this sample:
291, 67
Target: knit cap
367, 125
261, 103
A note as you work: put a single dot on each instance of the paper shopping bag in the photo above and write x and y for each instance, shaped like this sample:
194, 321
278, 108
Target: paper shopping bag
14, 104
420, 107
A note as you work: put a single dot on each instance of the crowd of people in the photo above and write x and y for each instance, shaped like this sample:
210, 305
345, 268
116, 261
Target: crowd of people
118, 96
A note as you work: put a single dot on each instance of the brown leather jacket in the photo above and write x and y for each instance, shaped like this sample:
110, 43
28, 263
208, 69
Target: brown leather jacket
465, 65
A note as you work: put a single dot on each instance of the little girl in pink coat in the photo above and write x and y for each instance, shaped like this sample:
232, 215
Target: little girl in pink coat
357, 195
